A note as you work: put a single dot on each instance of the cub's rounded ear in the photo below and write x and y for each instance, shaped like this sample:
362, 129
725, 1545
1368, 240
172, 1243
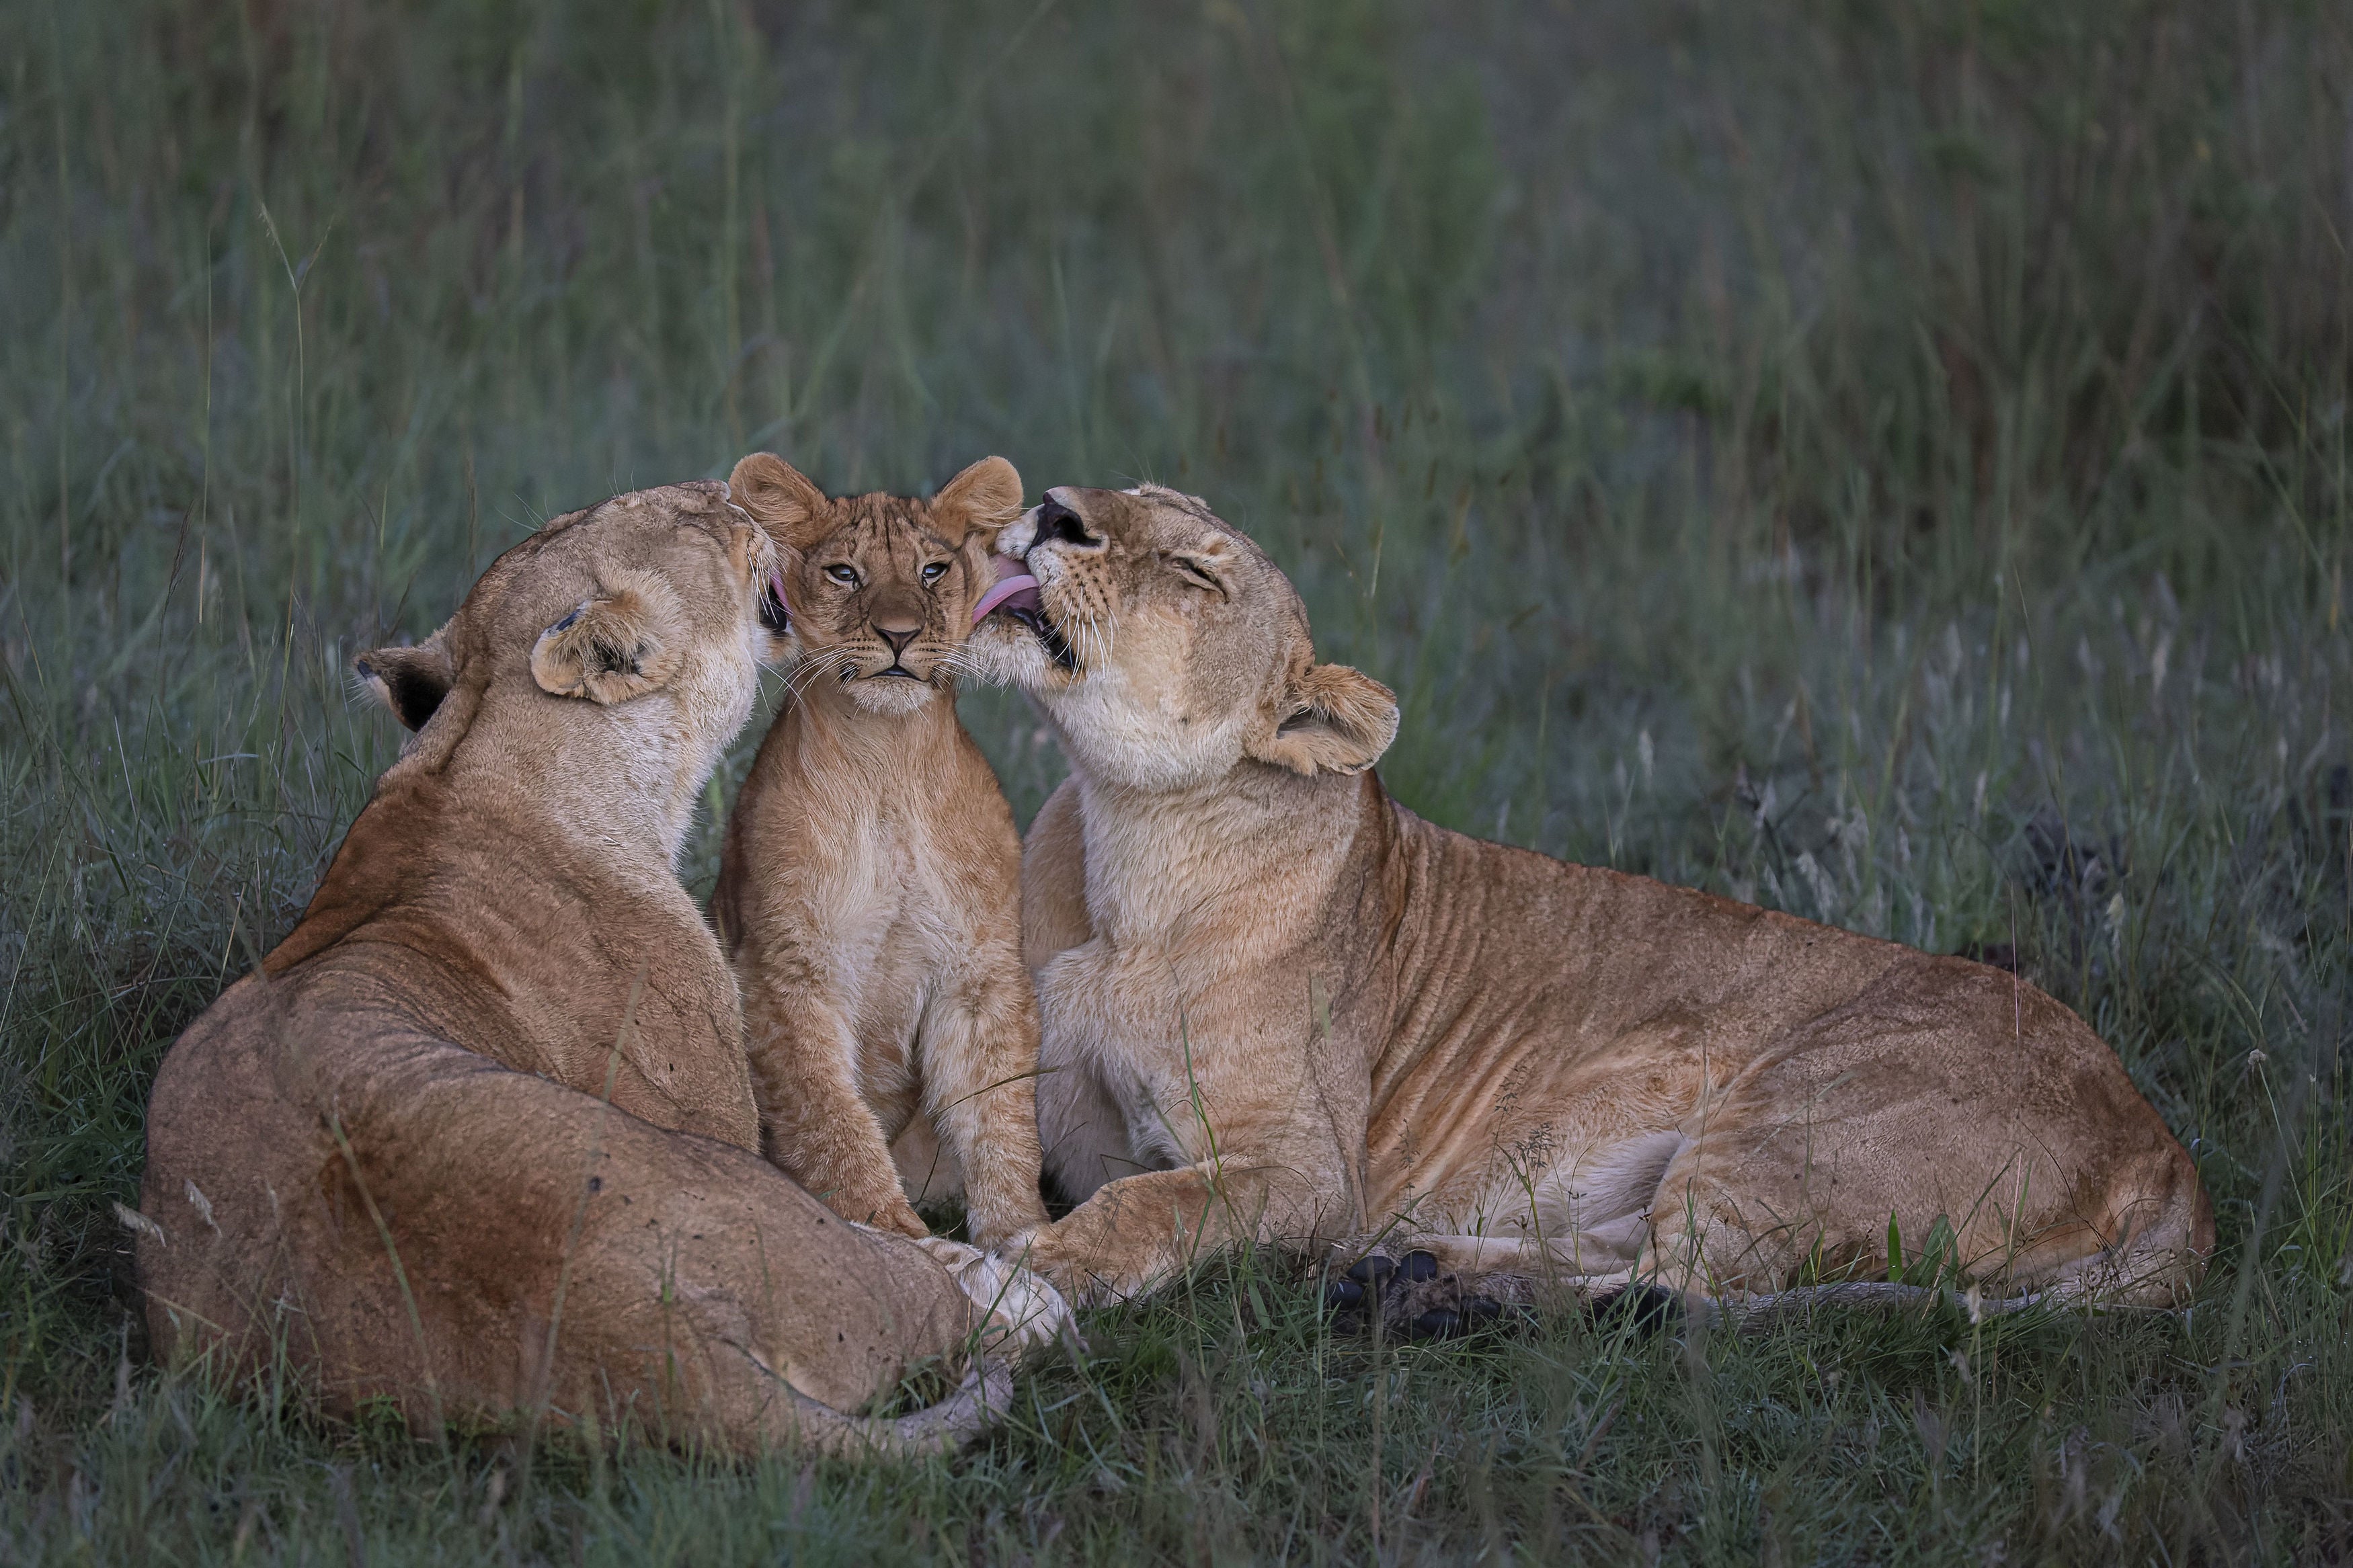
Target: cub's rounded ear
780, 497
1335, 719
624, 642
411, 681
981, 499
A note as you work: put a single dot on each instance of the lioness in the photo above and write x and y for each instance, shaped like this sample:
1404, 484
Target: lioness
479, 1135
870, 893
1278, 1005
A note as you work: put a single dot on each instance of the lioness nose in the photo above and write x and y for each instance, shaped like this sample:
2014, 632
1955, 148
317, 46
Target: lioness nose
899, 632
1056, 519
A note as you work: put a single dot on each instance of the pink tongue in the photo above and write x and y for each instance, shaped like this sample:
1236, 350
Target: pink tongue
1013, 587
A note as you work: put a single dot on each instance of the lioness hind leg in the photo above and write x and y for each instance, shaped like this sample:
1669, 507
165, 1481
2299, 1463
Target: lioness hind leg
1946, 1122
487, 1245
1412, 1297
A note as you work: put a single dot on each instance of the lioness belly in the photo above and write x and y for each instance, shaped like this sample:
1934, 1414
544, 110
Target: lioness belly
1546, 1130
1590, 1207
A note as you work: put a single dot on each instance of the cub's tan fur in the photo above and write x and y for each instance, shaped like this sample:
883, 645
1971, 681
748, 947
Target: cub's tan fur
1280, 1005
869, 892
478, 1135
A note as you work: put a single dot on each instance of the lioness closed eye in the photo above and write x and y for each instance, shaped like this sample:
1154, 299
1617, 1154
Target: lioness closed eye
870, 887
1301, 1012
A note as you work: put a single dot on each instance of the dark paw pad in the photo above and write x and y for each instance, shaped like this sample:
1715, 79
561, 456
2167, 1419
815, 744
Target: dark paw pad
1460, 1313
1412, 1298
1649, 1309
1351, 1296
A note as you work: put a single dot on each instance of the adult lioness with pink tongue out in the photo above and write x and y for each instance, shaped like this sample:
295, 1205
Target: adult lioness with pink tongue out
1280, 1006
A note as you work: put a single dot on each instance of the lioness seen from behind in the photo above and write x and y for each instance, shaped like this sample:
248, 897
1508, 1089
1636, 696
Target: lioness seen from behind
870, 889
1281, 1007
477, 1136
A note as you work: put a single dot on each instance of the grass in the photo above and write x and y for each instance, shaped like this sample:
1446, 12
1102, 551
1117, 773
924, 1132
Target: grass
1886, 461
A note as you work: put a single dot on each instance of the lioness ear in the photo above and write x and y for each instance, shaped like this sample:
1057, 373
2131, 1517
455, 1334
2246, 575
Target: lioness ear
1339, 721
780, 499
982, 500
622, 643
411, 681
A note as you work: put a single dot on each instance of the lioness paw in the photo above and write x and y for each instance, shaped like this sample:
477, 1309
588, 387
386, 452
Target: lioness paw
1023, 1313
1413, 1298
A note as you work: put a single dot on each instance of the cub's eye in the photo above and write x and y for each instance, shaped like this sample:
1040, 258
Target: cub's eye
935, 571
847, 574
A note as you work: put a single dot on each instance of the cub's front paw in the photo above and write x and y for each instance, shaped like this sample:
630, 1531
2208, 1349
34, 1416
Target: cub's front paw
1022, 1247
900, 1218
1009, 1234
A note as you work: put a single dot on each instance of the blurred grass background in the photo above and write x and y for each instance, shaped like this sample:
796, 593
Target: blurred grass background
1884, 460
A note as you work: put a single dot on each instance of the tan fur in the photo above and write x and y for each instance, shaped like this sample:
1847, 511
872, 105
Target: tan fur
618, 644
478, 1135
870, 889
1280, 1006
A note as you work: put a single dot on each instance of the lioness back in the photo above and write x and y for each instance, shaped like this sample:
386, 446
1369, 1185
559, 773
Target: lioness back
869, 889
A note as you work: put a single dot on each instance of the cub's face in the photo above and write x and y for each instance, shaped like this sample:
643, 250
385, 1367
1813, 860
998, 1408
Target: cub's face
1167, 648
881, 587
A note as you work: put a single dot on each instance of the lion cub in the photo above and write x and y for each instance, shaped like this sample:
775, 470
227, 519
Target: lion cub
870, 887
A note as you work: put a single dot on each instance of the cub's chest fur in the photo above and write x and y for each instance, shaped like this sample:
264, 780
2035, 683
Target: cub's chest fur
895, 919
